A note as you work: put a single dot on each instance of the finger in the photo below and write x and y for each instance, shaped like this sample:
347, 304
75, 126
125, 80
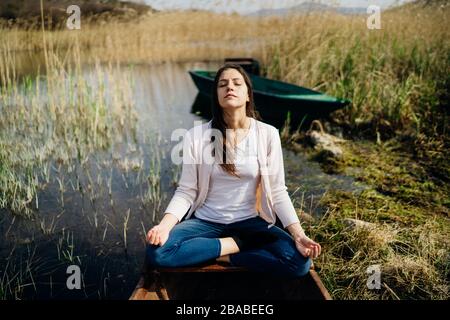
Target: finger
304, 253
153, 238
317, 248
302, 250
320, 249
158, 240
308, 252
149, 235
311, 255
316, 252
313, 252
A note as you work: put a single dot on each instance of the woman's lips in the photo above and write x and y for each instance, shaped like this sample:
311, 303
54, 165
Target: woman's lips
230, 96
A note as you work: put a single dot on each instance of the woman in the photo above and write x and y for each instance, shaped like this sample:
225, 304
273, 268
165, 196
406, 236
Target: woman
229, 205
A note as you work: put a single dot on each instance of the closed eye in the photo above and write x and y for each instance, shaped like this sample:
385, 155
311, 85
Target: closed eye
223, 84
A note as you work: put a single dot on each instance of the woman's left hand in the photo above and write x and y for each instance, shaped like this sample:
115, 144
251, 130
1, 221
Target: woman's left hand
307, 247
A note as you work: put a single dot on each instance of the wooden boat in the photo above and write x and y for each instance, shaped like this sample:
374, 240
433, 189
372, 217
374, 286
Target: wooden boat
273, 99
223, 282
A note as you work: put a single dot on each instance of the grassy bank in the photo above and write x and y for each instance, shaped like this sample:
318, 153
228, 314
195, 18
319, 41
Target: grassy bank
397, 131
407, 232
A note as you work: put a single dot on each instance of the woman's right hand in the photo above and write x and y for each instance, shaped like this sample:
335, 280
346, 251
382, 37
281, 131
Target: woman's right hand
158, 235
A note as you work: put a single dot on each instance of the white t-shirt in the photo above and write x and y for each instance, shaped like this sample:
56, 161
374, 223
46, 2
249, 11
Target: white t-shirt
231, 199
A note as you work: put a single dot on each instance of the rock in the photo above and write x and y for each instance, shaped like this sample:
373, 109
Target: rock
323, 139
332, 151
324, 142
358, 224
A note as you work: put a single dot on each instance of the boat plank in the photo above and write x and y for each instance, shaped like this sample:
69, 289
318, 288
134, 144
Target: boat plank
218, 281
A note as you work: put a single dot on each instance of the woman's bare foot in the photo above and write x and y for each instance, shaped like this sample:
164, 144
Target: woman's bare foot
225, 258
228, 246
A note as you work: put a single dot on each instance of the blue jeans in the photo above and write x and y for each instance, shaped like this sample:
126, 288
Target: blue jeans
195, 241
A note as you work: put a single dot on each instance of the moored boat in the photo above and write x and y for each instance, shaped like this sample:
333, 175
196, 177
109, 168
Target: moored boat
274, 99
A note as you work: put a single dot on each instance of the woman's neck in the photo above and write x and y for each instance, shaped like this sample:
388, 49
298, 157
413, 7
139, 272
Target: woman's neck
236, 120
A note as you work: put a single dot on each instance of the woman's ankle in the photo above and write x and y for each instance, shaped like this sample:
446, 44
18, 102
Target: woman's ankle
228, 246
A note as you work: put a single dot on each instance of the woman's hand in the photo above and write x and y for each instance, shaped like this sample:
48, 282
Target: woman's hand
306, 246
158, 235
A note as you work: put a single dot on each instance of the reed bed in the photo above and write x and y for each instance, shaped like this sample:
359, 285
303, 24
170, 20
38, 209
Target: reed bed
154, 38
397, 77
62, 116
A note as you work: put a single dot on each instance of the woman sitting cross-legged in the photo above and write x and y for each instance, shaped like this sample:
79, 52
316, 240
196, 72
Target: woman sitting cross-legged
226, 209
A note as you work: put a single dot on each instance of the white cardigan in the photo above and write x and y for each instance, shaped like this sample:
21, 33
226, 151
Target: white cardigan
272, 195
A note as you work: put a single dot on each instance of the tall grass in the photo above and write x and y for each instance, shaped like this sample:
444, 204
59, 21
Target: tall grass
413, 257
61, 115
165, 36
397, 77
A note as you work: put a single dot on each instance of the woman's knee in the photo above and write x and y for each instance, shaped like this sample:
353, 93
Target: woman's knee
297, 264
301, 267
157, 256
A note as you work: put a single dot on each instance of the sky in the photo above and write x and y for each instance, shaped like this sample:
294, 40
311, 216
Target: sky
248, 6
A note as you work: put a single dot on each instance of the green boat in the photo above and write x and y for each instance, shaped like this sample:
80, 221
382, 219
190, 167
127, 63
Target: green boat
273, 99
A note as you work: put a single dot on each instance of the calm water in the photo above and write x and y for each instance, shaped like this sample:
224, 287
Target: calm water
99, 220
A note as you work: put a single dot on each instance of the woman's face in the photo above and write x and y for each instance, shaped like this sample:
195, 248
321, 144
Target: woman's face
232, 91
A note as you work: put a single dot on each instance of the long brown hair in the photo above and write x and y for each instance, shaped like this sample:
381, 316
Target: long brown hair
218, 121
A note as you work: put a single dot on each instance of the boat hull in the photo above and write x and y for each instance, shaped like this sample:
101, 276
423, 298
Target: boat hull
273, 109
230, 285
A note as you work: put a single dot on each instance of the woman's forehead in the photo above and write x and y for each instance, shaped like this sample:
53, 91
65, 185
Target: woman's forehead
230, 74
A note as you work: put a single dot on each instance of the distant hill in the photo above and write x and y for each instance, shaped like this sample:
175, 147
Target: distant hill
432, 2
308, 7
28, 12
423, 4
429, 3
